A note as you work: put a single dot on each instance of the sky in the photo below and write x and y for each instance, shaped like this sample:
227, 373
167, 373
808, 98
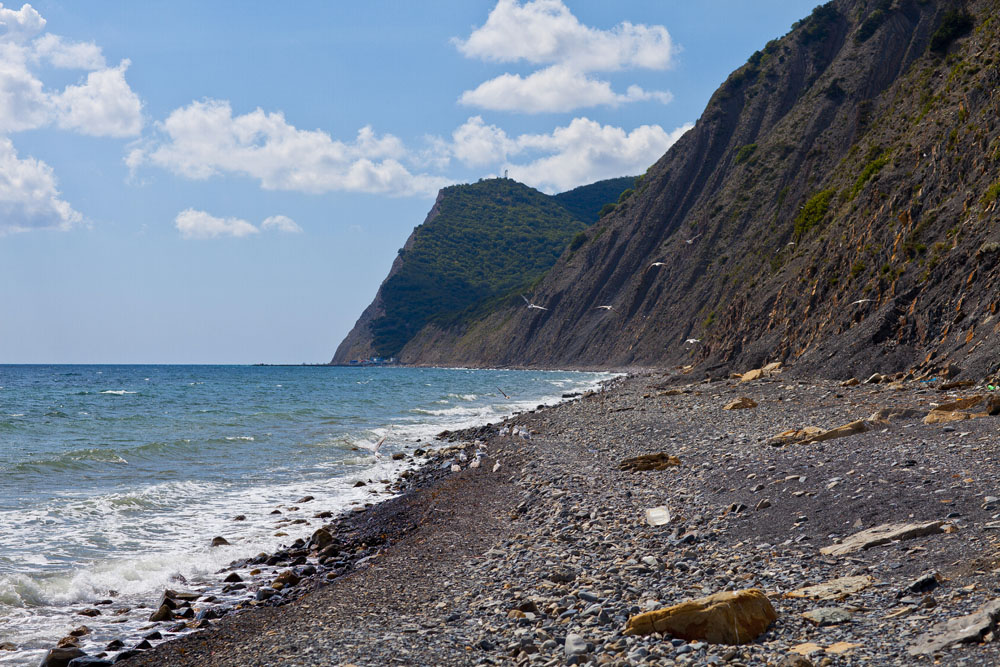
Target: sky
210, 182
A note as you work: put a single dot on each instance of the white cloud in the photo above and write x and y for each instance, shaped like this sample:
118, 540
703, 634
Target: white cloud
68, 55
104, 106
556, 88
281, 223
194, 224
546, 32
29, 198
24, 104
20, 25
204, 139
586, 151
476, 144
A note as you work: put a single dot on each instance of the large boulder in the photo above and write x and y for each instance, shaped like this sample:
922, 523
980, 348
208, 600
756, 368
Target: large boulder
887, 532
60, 657
729, 617
660, 461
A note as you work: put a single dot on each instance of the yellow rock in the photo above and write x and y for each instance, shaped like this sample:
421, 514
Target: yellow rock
806, 649
752, 375
839, 432
853, 382
729, 617
794, 435
841, 647
741, 403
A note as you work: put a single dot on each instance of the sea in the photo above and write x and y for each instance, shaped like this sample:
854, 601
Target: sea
115, 479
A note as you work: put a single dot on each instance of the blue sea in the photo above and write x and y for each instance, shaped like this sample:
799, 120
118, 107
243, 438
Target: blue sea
114, 479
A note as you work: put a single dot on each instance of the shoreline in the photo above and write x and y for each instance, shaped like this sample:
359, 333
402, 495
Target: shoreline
483, 567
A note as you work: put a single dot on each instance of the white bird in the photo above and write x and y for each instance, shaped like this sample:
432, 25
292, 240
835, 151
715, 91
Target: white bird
605, 308
692, 239
531, 305
860, 301
656, 264
692, 341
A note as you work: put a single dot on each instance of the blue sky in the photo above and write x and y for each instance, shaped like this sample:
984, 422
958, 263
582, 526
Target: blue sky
208, 182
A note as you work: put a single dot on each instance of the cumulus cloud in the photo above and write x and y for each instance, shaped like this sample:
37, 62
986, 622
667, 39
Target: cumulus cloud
586, 151
29, 198
281, 223
193, 224
582, 152
67, 55
556, 88
20, 25
545, 32
205, 139
103, 106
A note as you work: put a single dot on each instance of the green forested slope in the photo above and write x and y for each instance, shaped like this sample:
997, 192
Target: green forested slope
487, 239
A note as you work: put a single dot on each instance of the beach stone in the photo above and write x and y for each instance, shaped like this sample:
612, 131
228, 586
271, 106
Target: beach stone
304, 499
114, 645
922, 584
286, 578
233, 578
646, 462
164, 613
240, 517
882, 534
729, 617
852, 428
835, 589
60, 657
68, 641
793, 436
219, 541
89, 612
795, 660
561, 575
742, 403
970, 628
89, 661
824, 616
7, 646
80, 631
321, 538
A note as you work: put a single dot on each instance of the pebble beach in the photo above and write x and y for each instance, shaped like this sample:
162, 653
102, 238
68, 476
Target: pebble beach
535, 541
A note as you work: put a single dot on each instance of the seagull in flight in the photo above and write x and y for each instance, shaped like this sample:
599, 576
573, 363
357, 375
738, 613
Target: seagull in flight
693, 238
853, 303
656, 264
531, 305
606, 308
692, 341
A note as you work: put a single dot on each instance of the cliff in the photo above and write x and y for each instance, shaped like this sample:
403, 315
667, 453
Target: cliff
834, 206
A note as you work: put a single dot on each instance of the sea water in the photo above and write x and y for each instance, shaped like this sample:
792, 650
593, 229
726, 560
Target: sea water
115, 479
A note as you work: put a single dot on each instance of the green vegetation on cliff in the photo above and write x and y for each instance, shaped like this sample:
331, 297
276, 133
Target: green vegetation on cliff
487, 239
587, 201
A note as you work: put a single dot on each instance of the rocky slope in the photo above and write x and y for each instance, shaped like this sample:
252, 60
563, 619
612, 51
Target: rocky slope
835, 206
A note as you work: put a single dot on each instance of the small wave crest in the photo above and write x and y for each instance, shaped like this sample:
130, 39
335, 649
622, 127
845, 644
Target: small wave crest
118, 392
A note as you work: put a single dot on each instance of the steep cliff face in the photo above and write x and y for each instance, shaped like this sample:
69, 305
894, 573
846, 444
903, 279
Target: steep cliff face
835, 205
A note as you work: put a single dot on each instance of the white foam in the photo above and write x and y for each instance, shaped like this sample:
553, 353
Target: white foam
118, 392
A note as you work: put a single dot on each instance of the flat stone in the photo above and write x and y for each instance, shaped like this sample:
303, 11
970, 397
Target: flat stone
60, 657
575, 645
741, 403
835, 589
646, 462
963, 629
828, 616
883, 534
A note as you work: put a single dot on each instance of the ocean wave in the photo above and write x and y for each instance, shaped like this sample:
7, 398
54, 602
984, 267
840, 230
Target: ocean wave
240, 437
118, 392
